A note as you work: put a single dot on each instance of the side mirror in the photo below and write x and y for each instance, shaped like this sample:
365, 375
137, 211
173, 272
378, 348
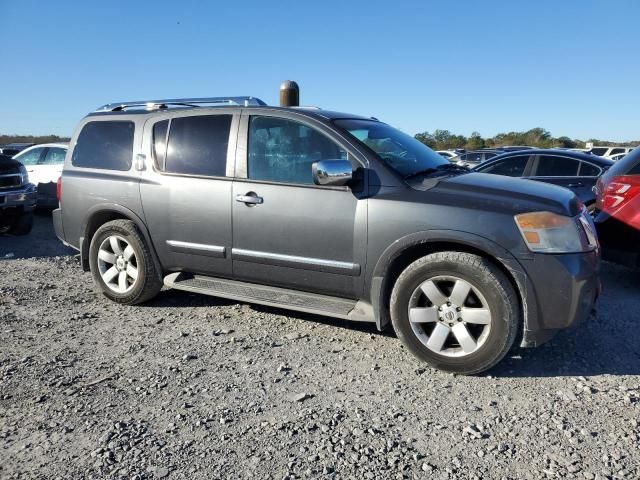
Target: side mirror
332, 172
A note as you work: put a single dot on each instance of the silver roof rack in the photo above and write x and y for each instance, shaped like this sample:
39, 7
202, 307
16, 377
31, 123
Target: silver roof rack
182, 102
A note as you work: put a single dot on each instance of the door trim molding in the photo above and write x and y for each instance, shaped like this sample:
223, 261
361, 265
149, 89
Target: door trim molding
293, 261
197, 248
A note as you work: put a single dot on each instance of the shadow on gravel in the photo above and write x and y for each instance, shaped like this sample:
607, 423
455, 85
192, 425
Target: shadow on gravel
40, 243
364, 327
607, 344
182, 299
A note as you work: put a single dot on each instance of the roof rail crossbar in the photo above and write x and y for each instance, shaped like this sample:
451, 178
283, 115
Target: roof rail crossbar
182, 102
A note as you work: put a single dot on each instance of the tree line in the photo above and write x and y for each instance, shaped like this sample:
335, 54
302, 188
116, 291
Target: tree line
536, 137
5, 139
438, 140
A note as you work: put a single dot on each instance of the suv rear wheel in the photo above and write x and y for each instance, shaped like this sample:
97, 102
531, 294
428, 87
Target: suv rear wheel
122, 265
456, 311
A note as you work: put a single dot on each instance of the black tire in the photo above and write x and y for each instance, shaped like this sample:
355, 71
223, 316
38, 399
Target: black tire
483, 275
149, 280
22, 225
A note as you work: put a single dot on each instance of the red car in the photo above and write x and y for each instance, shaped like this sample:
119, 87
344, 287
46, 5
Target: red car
618, 211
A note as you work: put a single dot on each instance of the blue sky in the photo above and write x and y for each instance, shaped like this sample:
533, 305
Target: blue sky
568, 66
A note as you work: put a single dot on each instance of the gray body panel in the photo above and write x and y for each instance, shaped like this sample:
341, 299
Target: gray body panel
335, 241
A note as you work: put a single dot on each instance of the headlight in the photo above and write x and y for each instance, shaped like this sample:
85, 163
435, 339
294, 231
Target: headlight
24, 175
547, 232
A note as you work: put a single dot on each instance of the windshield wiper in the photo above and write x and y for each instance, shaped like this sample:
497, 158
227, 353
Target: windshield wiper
446, 167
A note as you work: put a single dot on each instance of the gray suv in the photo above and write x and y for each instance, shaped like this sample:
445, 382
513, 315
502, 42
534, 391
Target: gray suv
328, 213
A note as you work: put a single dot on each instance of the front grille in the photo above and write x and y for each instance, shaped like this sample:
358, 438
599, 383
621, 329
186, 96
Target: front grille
10, 181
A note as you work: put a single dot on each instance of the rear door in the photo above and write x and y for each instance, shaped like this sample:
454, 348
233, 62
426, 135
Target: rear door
49, 170
186, 191
566, 172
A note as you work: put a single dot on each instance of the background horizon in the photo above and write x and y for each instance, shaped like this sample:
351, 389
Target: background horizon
489, 67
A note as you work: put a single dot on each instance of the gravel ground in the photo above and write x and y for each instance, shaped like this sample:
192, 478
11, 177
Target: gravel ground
190, 386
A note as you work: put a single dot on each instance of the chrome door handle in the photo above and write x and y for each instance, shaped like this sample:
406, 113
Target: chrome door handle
574, 185
250, 199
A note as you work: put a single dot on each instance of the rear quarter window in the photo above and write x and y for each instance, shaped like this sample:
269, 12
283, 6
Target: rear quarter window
105, 145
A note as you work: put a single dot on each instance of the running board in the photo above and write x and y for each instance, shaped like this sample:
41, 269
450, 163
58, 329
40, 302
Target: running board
272, 296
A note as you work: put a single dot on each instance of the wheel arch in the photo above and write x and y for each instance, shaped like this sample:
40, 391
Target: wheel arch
100, 214
411, 247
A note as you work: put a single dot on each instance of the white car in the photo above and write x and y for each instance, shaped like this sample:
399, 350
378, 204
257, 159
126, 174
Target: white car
617, 156
608, 151
44, 165
448, 154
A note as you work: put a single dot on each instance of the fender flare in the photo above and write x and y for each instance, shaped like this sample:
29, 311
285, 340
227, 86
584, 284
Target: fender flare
379, 283
125, 212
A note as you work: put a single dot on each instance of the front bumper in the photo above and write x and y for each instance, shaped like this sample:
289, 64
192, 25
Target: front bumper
564, 288
15, 203
23, 197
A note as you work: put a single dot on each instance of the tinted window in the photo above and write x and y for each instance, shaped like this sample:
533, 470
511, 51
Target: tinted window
283, 150
54, 156
511, 167
552, 166
31, 157
198, 145
588, 170
599, 150
617, 150
107, 145
472, 157
160, 142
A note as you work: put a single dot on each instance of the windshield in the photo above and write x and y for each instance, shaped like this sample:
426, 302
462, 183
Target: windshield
401, 152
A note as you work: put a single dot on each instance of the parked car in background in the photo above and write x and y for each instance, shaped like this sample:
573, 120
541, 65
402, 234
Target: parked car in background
607, 151
617, 216
17, 198
618, 156
474, 158
44, 164
12, 149
573, 170
448, 154
324, 212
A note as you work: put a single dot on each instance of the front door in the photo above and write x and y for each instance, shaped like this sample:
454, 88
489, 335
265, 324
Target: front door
186, 191
286, 230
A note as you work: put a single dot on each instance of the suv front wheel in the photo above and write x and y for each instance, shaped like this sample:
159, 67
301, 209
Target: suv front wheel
456, 311
122, 265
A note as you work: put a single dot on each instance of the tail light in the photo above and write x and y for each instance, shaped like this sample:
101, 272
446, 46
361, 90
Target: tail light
619, 196
59, 189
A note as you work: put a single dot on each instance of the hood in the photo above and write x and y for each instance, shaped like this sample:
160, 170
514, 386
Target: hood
507, 194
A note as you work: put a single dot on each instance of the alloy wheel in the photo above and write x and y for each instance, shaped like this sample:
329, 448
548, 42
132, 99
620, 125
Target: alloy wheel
450, 316
118, 264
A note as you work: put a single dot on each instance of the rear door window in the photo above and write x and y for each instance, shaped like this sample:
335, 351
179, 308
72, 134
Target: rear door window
555, 166
599, 151
588, 170
510, 167
54, 156
160, 131
107, 145
615, 151
198, 145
